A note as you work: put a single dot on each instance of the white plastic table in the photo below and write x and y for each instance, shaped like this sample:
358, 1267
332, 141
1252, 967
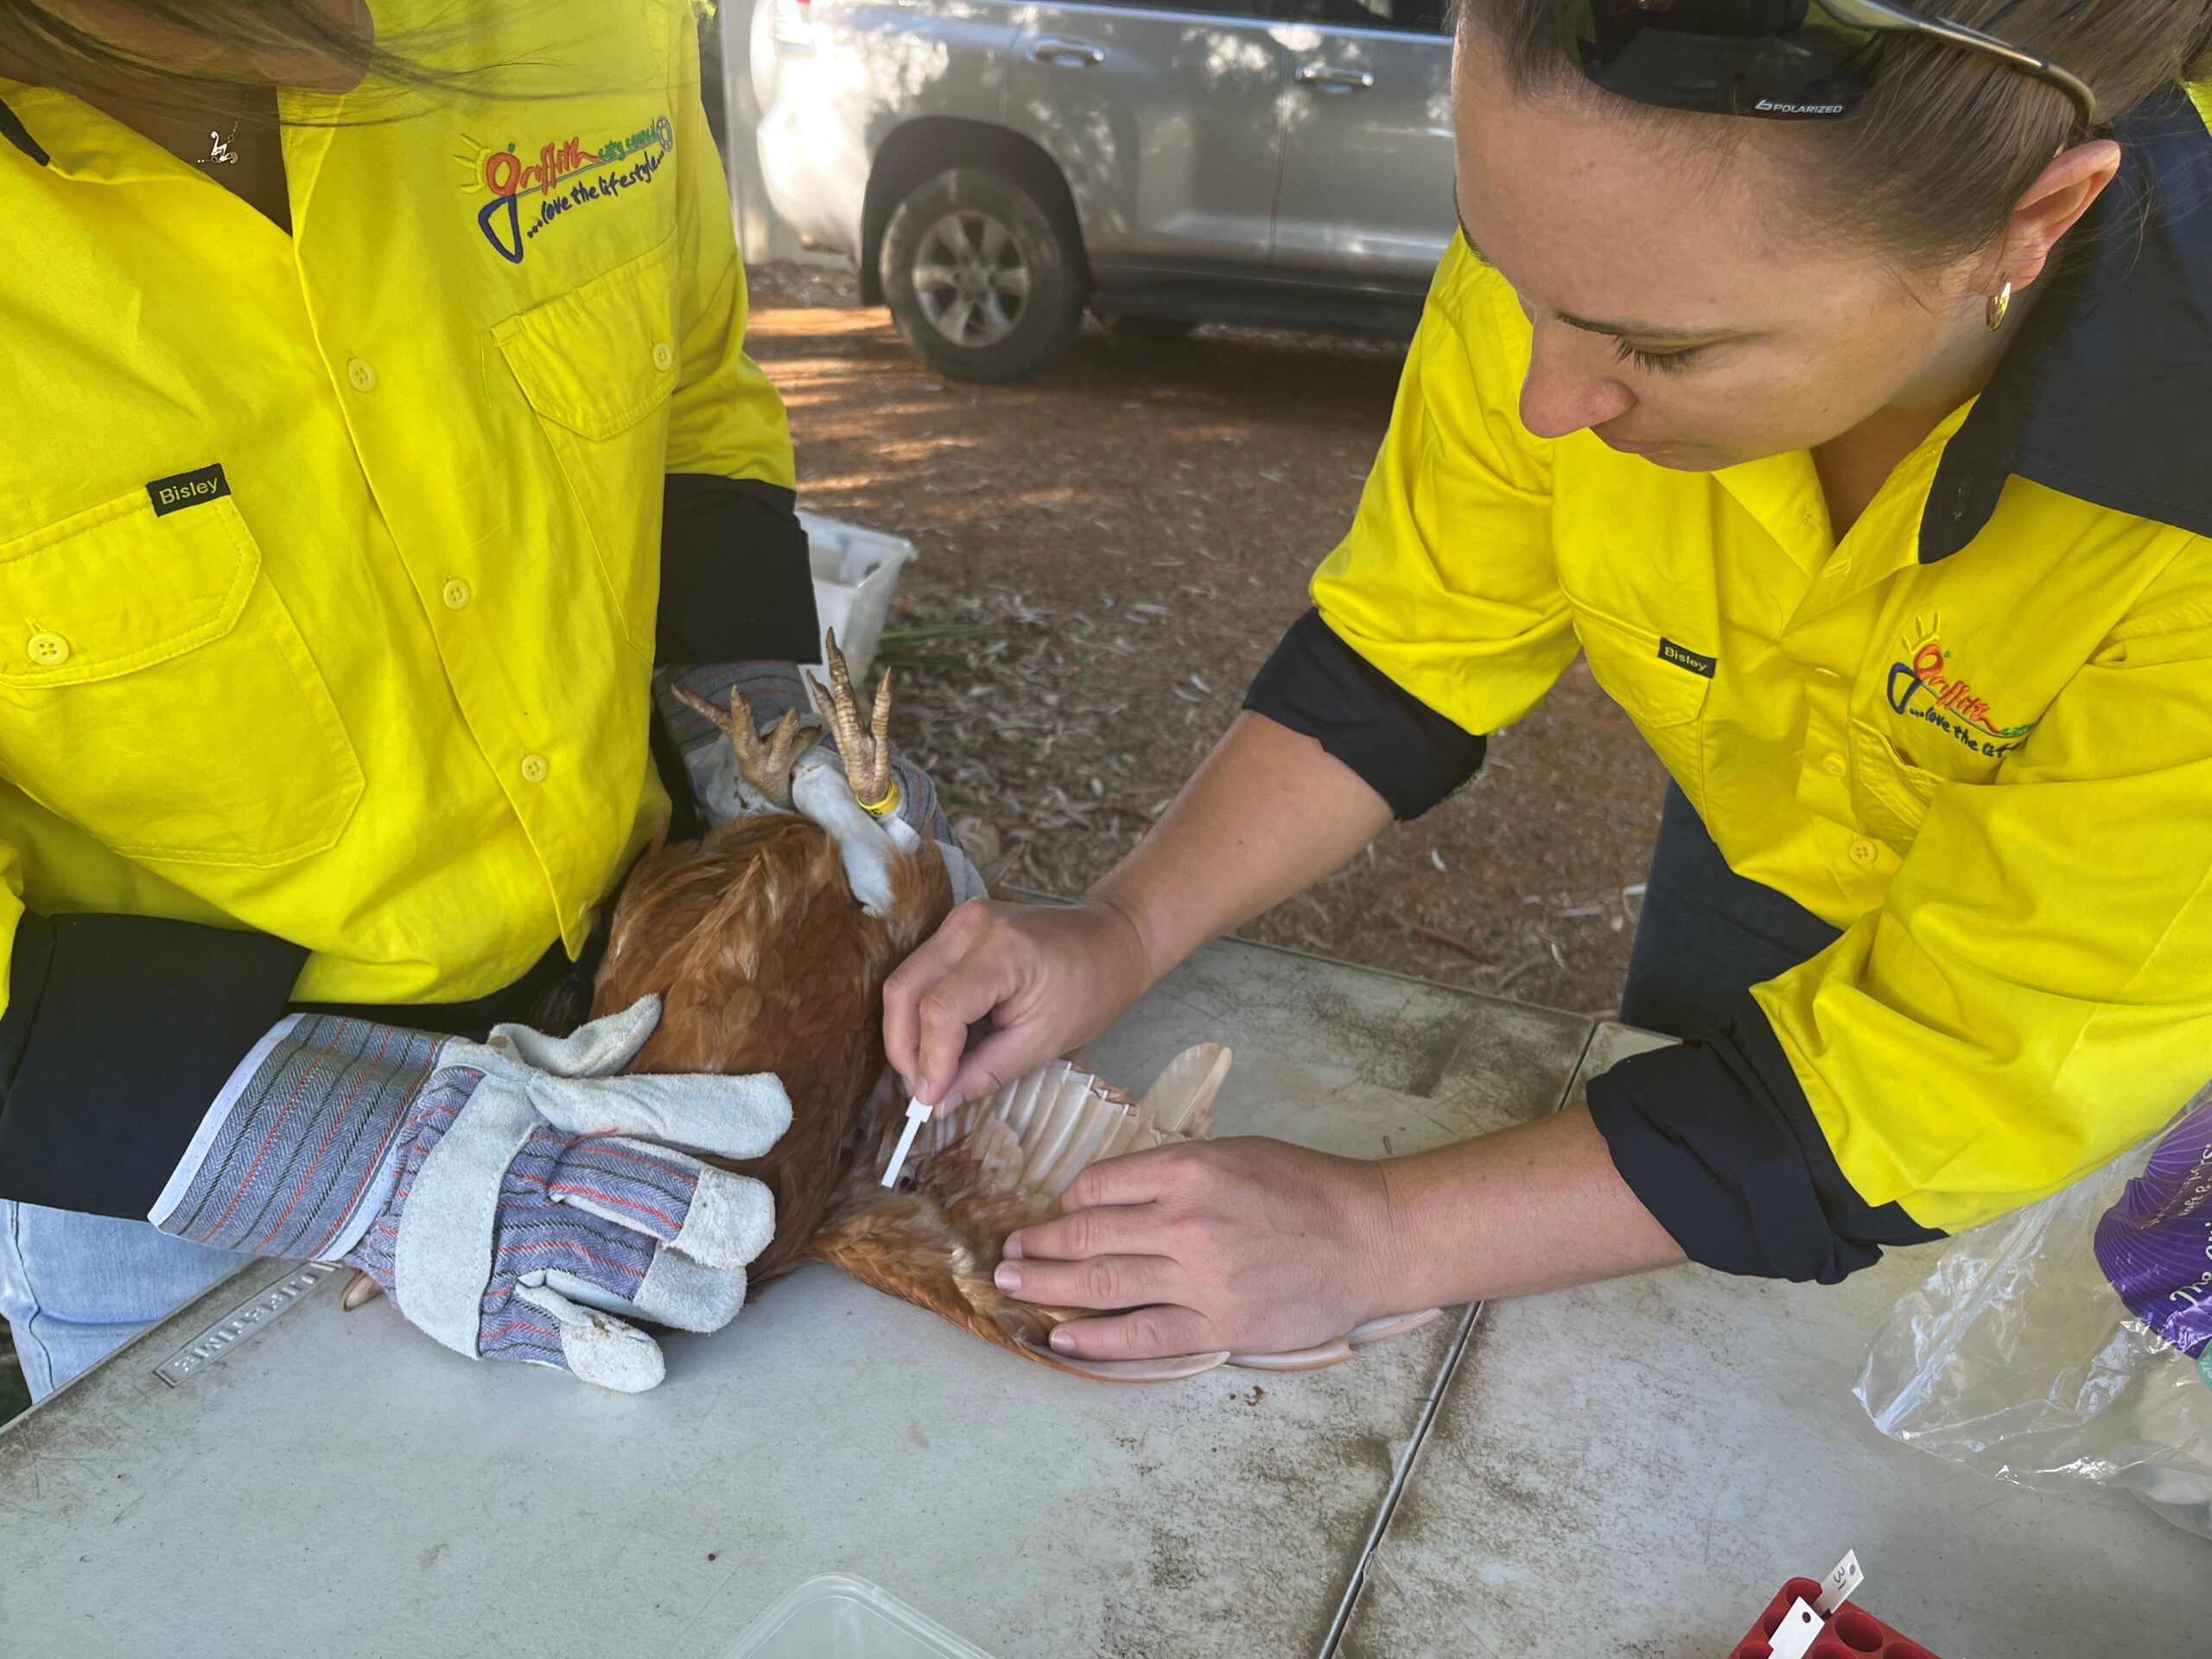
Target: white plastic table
1629, 1470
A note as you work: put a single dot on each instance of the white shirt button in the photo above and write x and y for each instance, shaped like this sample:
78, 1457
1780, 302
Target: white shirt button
663, 356
359, 375
455, 593
534, 768
48, 650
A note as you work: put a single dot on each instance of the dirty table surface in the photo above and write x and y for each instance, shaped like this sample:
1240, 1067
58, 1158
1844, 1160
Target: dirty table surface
336, 1484
1634, 1468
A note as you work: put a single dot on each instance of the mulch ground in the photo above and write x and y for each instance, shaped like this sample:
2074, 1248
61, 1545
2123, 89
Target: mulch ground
1108, 553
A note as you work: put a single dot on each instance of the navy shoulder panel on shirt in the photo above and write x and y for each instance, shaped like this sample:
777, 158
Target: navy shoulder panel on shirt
1409, 754
2106, 394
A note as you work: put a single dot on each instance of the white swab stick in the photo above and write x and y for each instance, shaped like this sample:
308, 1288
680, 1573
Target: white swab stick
917, 1115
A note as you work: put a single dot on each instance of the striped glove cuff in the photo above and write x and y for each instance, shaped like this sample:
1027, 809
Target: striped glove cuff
299, 1151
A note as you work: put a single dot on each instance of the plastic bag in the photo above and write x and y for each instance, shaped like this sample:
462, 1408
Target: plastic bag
2071, 1344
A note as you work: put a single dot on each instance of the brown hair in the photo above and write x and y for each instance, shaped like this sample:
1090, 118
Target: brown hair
423, 63
1929, 167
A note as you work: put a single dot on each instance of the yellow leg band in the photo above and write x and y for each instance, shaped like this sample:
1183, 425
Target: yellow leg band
886, 806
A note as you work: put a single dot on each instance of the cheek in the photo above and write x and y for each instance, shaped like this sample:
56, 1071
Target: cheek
1788, 395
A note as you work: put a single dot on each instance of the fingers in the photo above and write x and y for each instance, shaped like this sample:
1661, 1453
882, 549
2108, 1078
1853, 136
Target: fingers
597, 1050
994, 1063
1131, 1227
909, 982
1133, 1178
935, 995
596, 1346
1145, 1333
1101, 1281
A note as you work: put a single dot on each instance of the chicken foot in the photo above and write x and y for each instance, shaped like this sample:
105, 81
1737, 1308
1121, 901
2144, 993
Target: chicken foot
763, 767
866, 750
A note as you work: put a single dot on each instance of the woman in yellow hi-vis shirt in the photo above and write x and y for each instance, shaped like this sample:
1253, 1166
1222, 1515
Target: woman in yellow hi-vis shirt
374, 420
1837, 378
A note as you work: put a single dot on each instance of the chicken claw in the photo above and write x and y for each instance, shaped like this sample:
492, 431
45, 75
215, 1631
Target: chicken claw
766, 767
866, 750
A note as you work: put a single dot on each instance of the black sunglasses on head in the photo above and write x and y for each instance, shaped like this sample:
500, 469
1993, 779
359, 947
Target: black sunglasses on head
1783, 60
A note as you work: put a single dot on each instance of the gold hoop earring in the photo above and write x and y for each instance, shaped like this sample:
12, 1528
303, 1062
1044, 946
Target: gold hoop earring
2000, 303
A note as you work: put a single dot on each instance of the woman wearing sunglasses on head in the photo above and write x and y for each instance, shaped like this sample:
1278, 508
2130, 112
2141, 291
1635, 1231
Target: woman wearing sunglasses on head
1836, 377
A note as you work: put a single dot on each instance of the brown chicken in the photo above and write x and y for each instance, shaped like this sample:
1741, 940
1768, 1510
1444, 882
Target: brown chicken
769, 941
764, 958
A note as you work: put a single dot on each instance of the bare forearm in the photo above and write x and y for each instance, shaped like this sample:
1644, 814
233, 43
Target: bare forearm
1268, 814
1536, 1207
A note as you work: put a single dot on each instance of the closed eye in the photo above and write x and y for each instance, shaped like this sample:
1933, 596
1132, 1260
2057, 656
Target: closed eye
1662, 362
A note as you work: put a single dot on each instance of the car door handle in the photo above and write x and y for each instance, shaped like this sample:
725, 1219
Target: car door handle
1322, 77
1071, 54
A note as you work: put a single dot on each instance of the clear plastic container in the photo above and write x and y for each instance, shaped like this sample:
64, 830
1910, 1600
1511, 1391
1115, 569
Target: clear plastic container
855, 573
836, 1616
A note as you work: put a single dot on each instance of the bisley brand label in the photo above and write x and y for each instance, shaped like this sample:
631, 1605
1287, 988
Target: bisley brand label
1683, 656
183, 490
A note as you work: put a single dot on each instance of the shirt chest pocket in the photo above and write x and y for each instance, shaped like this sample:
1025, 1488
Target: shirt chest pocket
1889, 794
1662, 686
154, 691
598, 365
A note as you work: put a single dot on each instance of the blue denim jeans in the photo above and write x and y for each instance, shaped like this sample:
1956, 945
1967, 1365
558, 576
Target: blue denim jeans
76, 1287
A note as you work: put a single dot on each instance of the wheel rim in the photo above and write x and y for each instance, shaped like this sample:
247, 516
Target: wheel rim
971, 279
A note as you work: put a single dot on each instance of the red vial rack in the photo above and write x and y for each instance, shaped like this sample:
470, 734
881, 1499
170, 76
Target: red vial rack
1850, 1633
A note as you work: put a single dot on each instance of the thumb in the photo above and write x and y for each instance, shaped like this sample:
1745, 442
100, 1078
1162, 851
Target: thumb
994, 1062
597, 1050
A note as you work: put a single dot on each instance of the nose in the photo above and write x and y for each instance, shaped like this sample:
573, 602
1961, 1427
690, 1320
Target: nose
1571, 385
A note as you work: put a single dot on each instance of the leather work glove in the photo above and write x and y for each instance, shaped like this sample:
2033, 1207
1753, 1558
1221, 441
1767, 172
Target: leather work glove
771, 689
517, 1199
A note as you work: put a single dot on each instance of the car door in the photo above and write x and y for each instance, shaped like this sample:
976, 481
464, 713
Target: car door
1366, 159
1166, 125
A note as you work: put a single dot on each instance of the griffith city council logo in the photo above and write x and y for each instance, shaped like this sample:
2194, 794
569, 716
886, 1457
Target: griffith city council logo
529, 194
1927, 686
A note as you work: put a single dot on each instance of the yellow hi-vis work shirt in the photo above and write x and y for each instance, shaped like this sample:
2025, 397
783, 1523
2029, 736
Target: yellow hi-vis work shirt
328, 562
1989, 764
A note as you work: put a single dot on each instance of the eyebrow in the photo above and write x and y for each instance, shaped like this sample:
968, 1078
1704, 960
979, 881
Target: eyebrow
1615, 330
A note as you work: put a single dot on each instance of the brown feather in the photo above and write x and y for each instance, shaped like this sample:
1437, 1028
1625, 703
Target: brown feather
766, 963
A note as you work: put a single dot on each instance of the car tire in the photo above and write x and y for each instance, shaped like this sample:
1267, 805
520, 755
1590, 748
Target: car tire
1164, 328
983, 280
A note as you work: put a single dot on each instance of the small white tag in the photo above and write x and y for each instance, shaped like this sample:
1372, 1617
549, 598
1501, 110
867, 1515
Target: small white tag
1799, 1628
1837, 1587
917, 1115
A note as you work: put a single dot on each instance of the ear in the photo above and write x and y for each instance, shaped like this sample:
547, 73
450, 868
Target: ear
2053, 205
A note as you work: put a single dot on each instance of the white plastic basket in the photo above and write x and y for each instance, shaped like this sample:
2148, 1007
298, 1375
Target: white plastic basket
855, 573
838, 1617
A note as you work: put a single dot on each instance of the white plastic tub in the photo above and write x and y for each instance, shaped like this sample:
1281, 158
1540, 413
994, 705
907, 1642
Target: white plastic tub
839, 1616
855, 573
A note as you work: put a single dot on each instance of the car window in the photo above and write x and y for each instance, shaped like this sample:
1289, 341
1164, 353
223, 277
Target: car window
1407, 16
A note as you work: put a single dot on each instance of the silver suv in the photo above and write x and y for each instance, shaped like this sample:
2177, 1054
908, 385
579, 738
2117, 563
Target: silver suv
994, 166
